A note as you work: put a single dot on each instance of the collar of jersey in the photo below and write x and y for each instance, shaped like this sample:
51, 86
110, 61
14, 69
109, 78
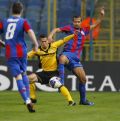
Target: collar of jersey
46, 50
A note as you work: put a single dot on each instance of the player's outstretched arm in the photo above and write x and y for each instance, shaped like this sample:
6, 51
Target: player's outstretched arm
63, 41
99, 20
33, 38
2, 43
66, 39
52, 33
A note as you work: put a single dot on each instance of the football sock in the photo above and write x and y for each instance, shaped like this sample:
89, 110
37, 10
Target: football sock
33, 91
66, 93
61, 72
22, 90
82, 91
26, 83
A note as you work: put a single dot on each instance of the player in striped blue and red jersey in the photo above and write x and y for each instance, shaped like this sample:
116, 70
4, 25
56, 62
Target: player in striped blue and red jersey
13, 29
72, 51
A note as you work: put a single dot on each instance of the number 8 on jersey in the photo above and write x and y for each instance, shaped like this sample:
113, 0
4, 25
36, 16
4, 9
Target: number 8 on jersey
10, 31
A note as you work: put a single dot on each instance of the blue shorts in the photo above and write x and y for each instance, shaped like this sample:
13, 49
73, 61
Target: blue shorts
17, 66
73, 60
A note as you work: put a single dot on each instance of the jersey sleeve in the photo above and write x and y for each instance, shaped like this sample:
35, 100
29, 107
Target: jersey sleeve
65, 28
63, 41
31, 54
86, 30
26, 26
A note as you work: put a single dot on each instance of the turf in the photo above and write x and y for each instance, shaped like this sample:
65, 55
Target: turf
53, 107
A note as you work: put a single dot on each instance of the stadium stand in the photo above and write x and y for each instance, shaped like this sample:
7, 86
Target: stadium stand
37, 13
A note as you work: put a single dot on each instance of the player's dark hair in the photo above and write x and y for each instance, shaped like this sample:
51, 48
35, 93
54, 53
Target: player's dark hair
76, 16
17, 8
42, 36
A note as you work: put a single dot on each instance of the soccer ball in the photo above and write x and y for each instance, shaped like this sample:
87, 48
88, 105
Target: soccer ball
54, 82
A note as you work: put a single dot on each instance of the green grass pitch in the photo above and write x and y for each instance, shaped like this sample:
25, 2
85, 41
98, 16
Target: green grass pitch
52, 106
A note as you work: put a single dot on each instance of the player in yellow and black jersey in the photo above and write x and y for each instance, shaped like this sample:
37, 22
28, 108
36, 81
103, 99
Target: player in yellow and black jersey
47, 53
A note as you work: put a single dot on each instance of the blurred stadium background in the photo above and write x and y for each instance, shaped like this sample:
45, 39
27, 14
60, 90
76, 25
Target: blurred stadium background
101, 61
101, 54
44, 15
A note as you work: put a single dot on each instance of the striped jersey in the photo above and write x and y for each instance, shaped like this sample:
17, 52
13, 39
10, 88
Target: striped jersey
75, 45
13, 29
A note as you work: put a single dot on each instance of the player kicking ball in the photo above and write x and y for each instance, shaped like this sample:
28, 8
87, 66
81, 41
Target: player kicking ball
49, 74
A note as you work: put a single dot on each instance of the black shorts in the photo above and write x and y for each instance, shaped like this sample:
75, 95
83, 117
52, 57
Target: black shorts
44, 76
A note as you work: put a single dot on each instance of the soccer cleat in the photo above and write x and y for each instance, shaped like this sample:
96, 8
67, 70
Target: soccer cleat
71, 103
33, 100
30, 108
86, 103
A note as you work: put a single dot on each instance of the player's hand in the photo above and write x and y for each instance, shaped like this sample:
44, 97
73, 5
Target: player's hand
102, 11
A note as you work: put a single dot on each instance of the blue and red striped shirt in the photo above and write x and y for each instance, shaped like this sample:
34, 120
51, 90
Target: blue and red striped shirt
13, 29
76, 44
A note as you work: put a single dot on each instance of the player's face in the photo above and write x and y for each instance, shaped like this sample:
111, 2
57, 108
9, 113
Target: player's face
77, 22
44, 43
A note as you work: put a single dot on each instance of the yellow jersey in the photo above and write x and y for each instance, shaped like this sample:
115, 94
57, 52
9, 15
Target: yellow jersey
48, 58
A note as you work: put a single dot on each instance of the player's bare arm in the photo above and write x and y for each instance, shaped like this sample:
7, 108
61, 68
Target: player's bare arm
99, 20
33, 38
50, 37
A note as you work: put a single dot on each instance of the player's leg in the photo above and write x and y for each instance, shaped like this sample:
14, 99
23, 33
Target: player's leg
22, 89
62, 61
33, 95
67, 95
23, 68
80, 73
14, 66
26, 83
23, 92
55, 83
33, 78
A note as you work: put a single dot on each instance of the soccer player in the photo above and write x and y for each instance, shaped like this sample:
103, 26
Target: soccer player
16, 50
48, 59
72, 51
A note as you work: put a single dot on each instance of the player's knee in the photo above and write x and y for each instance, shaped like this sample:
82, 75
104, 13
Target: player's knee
62, 59
83, 80
32, 77
24, 73
18, 77
81, 75
54, 82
